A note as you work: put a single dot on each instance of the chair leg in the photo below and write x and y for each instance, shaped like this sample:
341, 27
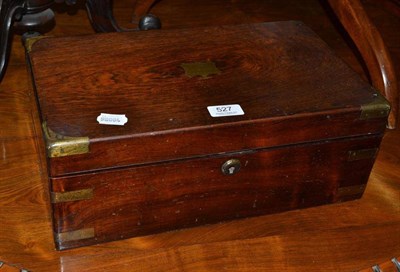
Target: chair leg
9, 11
101, 16
373, 50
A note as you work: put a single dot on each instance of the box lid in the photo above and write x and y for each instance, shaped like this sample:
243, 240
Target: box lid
290, 86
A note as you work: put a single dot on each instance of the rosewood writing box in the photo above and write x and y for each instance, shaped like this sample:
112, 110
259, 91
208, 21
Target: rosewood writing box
146, 132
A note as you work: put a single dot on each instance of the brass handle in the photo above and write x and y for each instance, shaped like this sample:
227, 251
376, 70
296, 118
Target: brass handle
231, 167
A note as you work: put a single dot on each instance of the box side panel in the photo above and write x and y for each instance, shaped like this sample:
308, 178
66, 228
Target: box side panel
40, 144
112, 205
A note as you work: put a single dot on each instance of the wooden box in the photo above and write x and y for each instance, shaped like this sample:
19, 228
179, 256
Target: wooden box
146, 132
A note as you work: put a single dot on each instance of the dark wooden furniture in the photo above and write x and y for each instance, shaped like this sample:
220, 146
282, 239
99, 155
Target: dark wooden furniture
35, 16
164, 169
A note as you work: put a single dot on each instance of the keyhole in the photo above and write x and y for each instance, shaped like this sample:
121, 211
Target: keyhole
231, 167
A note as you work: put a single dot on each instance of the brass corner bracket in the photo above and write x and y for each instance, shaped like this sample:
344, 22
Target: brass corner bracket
75, 235
29, 42
61, 197
378, 108
362, 154
60, 146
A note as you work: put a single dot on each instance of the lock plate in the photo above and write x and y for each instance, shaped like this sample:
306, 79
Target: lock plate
231, 167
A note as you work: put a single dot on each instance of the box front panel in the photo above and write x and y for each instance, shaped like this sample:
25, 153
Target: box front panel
122, 203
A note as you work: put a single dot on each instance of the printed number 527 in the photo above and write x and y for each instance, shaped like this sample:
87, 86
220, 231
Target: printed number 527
223, 109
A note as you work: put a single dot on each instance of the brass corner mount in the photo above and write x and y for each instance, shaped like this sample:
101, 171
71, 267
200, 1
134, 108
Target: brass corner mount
60, 146
29, 42
378, 108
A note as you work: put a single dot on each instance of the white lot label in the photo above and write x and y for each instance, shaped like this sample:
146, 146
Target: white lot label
112, 119
225, 110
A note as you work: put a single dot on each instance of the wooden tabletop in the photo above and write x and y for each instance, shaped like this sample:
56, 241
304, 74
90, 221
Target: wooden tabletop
342, 237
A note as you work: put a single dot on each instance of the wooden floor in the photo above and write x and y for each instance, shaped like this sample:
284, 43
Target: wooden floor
344, 237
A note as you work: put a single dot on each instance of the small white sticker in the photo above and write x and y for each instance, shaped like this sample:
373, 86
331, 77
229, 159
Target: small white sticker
225, 110
112, 119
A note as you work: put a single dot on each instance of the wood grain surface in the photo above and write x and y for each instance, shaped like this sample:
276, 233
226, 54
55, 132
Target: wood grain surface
342, 237
281, 74
175, 195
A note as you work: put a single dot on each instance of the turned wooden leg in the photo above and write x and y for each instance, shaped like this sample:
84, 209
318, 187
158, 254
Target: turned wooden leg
373, 50
9, 11
38, 17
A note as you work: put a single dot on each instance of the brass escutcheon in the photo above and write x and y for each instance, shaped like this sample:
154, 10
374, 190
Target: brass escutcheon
231, 167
